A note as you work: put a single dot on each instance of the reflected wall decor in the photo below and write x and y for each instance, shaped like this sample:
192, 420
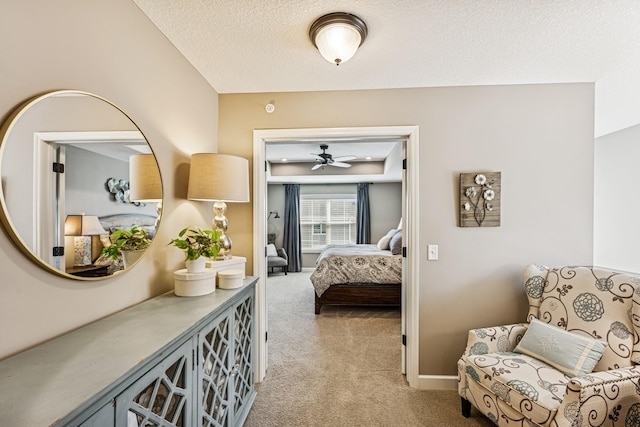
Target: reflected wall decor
480, 199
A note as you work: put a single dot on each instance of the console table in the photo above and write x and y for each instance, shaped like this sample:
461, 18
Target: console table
169, 361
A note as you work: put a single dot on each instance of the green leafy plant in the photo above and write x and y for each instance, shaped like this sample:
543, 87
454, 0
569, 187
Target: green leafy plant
134, 239
198, 242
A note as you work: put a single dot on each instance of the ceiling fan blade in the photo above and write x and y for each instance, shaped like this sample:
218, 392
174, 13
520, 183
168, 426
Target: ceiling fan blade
340, 164
317, 166
345, 158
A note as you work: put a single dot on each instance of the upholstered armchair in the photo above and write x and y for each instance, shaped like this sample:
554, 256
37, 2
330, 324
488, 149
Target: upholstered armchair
572, 364
277, 258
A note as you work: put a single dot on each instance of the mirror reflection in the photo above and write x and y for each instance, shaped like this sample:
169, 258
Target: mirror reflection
81, 189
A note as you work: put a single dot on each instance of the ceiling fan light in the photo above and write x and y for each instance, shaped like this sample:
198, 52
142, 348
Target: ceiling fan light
338, 36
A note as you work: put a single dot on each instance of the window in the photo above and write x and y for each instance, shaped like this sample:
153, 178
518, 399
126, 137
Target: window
327, 219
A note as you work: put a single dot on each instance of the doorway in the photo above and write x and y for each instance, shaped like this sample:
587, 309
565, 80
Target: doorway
52, 200
410, 224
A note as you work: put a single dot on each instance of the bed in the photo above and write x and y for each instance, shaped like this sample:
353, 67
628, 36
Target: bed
357, 275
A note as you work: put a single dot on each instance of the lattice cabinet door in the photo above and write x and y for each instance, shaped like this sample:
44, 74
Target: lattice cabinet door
163, 397
214, 372
242, 369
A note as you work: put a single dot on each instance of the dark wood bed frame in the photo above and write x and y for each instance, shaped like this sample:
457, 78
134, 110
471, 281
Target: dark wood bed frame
360, 294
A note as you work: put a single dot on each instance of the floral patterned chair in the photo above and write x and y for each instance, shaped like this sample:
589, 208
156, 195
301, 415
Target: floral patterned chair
573, 363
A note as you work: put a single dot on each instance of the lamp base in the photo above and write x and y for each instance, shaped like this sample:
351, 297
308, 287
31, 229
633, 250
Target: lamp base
82, 251
220, 224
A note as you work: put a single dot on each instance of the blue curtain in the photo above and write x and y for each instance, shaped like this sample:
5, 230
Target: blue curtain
292, 243
363, 217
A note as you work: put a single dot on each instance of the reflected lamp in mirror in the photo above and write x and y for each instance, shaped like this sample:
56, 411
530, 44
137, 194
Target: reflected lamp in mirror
83, 231
220, 178
145, 184
275, 214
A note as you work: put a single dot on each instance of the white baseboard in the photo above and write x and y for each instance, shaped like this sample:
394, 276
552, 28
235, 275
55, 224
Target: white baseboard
436, 382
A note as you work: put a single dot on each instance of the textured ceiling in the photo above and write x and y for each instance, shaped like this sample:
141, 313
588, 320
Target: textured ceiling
244, 46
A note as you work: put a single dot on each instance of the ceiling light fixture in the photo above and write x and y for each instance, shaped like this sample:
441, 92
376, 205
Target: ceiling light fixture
338, 36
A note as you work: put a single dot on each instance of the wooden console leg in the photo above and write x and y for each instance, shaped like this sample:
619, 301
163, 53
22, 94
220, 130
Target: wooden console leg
466, 407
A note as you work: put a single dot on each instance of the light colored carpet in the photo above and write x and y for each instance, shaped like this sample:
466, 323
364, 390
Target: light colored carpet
340, 368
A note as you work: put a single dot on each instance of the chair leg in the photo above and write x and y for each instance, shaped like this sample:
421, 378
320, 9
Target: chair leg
285, 270
466, 407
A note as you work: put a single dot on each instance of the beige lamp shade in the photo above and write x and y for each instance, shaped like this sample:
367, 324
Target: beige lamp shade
83, 225
145, 184
220, 177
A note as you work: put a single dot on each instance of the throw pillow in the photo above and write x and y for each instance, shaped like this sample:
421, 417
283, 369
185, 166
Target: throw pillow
383, 243
566, 351
271, 250
396, 243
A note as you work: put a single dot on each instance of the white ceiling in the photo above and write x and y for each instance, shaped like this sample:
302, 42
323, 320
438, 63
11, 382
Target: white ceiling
262, 46
301, 156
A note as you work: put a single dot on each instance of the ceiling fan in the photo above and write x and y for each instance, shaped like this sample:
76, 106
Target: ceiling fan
324, 159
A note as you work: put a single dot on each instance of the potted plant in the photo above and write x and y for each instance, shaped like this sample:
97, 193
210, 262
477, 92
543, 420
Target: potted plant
198, 245
130, 243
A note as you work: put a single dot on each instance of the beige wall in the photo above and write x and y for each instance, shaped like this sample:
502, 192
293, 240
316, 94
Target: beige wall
616, 226
539, 136
107, 47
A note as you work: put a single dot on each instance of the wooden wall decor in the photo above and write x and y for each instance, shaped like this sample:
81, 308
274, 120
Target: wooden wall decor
480, 199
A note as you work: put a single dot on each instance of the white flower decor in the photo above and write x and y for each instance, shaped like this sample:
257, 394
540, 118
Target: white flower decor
480, 200
481, 179
470, 192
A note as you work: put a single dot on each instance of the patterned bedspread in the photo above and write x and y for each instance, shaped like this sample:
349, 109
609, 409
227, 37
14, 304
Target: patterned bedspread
351, 264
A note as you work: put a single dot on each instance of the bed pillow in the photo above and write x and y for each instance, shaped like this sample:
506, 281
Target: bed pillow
271, 250
396, 243
383, 243
566, 351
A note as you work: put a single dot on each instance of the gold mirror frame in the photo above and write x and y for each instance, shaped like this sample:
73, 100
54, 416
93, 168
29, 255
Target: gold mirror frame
11, 129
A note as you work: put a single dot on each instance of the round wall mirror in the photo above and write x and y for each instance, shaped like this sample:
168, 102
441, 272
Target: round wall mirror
80, 189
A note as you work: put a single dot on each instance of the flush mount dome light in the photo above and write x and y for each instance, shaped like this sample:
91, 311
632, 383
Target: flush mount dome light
338, 35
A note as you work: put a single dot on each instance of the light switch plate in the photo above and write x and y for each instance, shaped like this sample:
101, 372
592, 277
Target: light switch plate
432, 252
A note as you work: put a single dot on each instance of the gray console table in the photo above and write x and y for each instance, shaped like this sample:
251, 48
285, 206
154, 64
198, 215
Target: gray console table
169, 361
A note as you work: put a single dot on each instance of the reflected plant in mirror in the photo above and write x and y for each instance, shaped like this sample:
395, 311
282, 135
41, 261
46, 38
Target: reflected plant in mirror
127, 245
61, 148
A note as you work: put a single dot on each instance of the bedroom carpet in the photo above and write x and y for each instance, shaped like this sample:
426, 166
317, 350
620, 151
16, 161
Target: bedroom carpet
340, 368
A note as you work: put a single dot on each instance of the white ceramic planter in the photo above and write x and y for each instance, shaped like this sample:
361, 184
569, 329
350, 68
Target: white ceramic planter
131, 257
196, 265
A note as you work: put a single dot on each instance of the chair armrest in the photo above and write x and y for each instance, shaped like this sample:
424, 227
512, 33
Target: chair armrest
494, 339
601, 396
283, 254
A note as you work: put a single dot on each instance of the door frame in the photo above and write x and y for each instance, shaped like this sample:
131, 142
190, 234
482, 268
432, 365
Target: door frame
49, 201
410, 292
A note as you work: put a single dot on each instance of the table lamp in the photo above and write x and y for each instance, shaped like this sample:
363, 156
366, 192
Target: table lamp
82, 228
219, 178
